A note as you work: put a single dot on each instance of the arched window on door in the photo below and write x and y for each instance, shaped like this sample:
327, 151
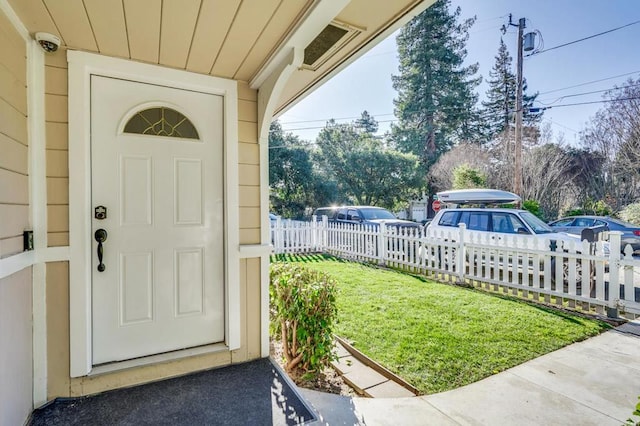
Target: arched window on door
161, 121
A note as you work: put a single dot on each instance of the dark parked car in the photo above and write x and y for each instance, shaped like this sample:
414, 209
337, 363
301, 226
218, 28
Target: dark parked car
575, 225
367, 215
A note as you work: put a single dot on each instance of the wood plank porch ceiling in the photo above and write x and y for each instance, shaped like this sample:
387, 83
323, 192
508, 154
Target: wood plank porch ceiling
225, 38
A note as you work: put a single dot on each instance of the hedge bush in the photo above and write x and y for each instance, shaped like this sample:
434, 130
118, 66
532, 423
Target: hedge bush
303, 312
631, 213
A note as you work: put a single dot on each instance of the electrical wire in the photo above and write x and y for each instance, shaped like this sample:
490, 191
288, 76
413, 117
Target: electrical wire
587, 93
589, 82
284, 124
631, 98
543, 108
327, 119
584, 38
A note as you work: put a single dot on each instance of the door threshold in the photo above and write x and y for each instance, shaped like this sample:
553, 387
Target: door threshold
156, 359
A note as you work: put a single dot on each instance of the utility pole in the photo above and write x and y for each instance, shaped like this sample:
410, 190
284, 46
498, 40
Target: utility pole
517, 163
517, 176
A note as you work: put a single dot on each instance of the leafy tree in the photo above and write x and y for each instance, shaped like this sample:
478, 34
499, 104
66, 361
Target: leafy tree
467, 177
614, 134
441, 174
500, 105
547, 177
435, 104
364, 171
293, 183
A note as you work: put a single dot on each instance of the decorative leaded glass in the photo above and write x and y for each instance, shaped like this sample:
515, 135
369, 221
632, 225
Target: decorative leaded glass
161, 121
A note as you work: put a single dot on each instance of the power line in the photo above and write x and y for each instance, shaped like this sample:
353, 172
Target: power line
587, 93
584, 38
589, 82
322, 127
631, 98
328, 119
562, 125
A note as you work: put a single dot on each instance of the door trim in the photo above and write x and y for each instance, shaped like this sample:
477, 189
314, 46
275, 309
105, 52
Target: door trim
81, 66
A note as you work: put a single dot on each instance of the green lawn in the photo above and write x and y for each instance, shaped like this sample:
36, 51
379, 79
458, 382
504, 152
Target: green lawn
437, 336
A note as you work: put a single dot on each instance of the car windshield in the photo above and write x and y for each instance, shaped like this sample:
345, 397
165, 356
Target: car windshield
536, 224
373, 214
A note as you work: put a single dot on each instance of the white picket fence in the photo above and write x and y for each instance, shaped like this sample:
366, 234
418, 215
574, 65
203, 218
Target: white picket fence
573, 275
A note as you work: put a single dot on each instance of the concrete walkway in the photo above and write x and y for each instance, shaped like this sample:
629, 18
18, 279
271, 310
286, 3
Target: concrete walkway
595, 382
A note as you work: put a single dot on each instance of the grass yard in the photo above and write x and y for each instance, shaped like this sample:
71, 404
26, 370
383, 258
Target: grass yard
438, 336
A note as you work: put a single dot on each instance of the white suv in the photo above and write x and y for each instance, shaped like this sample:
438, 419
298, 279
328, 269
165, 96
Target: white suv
497, 220
500, 223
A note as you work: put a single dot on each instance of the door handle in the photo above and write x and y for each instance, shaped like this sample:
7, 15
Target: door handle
101, 237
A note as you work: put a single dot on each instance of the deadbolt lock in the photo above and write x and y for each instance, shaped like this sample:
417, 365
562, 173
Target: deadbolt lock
100, 212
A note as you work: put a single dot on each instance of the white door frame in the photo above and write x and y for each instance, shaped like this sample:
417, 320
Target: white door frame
81, 67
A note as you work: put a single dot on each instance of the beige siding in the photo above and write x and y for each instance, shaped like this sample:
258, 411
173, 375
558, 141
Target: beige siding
57, 135
14, 179
249, 311
253, 308
58, 329
249, 153
245, 92
58, 239
56, 100
240, 355
9, 246
247, 132
249, 196
14, 217
249, 165
14, 155
13, 51
16, 379
250, 236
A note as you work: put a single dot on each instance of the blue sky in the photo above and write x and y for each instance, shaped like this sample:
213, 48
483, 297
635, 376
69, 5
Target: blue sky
366, 84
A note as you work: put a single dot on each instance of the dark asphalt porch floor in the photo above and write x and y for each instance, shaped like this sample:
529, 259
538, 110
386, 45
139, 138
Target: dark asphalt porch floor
254, 393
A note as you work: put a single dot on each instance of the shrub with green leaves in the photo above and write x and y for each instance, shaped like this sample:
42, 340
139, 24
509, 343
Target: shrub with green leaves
534, 207
634, 421
303, 312
631, 213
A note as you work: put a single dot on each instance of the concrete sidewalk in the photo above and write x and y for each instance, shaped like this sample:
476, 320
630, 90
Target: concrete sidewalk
595, 382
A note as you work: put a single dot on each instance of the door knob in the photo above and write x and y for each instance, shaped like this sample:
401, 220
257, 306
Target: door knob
101, 237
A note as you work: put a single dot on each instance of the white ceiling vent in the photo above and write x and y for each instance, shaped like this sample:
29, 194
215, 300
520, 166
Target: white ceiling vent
327, 43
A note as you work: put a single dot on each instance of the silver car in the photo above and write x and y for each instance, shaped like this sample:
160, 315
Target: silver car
575, 225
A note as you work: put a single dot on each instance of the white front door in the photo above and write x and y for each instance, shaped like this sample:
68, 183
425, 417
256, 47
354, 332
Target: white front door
157, 169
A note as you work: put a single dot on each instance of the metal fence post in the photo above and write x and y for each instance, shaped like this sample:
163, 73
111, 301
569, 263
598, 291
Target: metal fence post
461, 253
615, 240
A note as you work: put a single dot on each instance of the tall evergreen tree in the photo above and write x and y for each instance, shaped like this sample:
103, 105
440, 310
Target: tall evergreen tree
500, 105
435, 104
367, 123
